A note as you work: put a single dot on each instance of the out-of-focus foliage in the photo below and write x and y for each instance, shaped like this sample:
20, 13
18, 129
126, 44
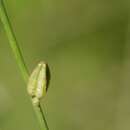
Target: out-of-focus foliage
86, 44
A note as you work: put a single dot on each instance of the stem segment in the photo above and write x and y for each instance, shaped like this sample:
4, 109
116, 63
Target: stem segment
19, 59
43, 117
13, 42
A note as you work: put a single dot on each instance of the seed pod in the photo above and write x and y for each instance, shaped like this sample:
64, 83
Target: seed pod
38, 82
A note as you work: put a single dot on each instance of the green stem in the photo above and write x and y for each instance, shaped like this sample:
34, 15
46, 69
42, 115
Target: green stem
19, 58
13, 42
40, 118
43, 117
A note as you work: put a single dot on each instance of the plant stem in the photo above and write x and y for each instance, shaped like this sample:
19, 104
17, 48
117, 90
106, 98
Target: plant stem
43, 117
13, 42
19, 58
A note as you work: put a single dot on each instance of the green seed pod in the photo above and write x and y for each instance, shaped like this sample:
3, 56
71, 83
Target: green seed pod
38, 82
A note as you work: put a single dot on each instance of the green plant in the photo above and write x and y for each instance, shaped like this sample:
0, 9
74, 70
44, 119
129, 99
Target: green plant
20, 62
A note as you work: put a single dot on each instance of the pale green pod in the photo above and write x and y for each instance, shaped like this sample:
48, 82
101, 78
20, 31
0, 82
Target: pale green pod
37, 84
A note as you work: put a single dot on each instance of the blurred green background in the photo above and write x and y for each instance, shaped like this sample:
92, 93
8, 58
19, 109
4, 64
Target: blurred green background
86, 44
